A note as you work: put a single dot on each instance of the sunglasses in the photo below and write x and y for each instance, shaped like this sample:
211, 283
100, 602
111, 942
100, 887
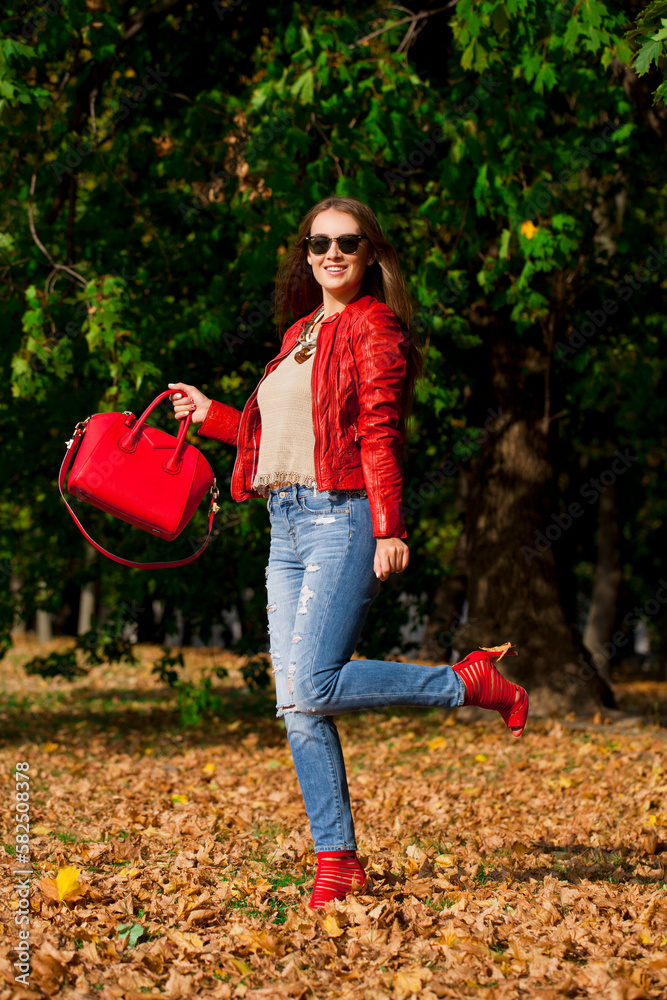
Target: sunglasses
346, 244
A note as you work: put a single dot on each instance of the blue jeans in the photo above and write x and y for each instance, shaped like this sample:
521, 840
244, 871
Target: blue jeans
320, 585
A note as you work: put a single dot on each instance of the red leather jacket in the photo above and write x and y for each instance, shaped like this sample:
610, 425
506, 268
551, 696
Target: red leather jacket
359, 371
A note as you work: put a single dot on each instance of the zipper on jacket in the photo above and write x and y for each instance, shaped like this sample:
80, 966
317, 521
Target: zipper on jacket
313, 381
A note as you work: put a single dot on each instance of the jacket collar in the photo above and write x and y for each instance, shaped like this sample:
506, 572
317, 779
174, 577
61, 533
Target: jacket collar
361, 301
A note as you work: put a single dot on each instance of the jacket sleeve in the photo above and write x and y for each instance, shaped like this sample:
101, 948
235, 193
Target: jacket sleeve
381, 351
221, 423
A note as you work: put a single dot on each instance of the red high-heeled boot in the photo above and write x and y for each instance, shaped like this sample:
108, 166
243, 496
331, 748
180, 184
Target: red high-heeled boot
338, 872
486, 688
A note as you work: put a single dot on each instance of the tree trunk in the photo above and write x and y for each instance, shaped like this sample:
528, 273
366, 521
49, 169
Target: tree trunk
43, 620
86, 608
87, 598
607, 585
44, 626
513, 527
16, 587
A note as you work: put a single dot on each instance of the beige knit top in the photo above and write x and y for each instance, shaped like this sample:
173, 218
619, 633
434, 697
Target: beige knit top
287, 444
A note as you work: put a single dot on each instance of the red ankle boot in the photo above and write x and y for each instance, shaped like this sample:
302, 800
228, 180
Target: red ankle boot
486, 688
338, 872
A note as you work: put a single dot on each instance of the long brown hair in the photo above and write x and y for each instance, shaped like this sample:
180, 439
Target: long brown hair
299, 293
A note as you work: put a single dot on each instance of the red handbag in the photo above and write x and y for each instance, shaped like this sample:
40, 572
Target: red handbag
139, 474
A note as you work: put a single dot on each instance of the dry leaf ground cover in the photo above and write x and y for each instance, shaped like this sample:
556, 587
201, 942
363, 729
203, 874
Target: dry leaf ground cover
498, 868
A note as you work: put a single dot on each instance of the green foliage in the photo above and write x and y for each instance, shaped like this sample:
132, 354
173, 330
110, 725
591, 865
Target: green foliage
57, 665
255, 672
165, 668
496, 152
101, 644
651, 36
106, 644
198, 700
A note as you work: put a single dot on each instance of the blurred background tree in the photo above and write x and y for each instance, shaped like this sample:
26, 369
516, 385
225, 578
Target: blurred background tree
157, 159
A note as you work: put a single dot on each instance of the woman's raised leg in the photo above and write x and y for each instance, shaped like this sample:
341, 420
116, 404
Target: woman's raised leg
335, 537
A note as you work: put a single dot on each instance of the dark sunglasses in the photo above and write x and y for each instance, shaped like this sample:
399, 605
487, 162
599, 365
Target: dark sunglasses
346, 244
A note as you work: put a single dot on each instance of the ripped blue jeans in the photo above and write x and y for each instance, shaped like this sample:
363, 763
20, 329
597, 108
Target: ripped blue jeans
320, 585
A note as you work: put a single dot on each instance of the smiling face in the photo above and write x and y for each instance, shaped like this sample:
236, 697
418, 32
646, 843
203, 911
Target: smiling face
339, 274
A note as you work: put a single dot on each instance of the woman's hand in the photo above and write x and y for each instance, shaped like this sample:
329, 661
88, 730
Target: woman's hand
189, 400
391, 556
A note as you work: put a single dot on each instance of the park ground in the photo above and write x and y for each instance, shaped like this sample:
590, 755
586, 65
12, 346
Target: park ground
498, 868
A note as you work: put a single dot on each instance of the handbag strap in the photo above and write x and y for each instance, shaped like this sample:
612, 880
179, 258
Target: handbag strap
72, 448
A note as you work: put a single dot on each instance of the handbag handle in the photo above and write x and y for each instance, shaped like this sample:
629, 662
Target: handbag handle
129, 441
72, 448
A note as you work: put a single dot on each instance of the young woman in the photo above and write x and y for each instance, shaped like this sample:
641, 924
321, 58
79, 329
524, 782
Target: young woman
322, 439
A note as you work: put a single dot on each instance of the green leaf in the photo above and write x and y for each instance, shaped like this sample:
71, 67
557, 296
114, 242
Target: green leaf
304, 88
648, 53
500, 20
503, 250
131, 932
546, 77
482, 184
468, 56
660, 94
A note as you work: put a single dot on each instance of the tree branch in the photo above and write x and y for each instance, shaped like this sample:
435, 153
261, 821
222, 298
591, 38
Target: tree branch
31, 221
327, 142
93, 95
412, 21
